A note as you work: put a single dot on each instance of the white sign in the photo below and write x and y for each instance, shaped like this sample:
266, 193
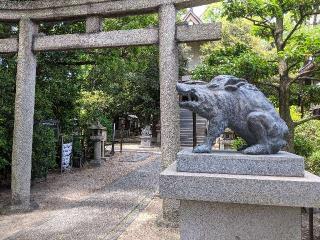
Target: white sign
66, 155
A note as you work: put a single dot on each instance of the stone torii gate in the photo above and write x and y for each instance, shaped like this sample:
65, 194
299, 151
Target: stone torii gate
30, 14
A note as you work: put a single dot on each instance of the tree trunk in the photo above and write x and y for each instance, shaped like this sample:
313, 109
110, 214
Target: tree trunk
284, 110
284, 93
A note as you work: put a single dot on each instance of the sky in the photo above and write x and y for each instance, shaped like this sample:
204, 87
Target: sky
199, 10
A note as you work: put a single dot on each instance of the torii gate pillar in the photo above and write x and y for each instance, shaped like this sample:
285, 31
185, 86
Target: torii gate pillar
24, 112
169, 75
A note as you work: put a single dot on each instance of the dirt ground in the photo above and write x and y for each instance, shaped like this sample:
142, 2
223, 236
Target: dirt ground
87, 203
77, 184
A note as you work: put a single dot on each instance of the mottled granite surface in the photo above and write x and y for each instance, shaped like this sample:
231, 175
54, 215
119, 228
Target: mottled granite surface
231, 162
243, 189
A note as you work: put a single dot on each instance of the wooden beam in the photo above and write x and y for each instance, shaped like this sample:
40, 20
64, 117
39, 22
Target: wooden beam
9, 45
123, 38
56, 10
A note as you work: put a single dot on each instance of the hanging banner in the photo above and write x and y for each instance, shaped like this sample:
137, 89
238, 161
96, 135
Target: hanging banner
66, 156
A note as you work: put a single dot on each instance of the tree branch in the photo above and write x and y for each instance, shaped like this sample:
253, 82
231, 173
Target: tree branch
292, 66
72, 63
266, 84
310, 78
295, 28
303, 75
316, 117
259, 23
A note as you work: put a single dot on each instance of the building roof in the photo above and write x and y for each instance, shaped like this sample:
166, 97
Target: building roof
192, 18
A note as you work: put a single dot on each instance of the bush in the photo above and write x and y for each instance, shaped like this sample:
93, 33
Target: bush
108, 125
238, 143
307, 138
303, 146
44, 151
3, 163
313, 163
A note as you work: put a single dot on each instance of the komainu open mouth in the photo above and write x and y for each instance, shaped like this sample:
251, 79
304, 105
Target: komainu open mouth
188, 97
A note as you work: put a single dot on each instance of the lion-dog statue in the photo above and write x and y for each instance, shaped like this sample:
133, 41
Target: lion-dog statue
231, 102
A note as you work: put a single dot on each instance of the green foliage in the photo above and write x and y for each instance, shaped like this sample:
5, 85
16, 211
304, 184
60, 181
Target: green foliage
238, 143
3, 163
108, 125
303, 146
307, 138
44, 151
131, 22
213, 13
82, 85
7, 96
242, 54
237, 60
295, 113
313, 163
265, 8
299, 40
268, 43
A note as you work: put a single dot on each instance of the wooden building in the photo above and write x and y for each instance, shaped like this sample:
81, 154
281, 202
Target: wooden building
193, 128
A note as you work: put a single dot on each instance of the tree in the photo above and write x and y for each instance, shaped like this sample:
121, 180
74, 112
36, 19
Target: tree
83, 85
281, 23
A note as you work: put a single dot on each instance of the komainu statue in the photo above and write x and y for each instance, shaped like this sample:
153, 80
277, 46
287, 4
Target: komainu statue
231, 102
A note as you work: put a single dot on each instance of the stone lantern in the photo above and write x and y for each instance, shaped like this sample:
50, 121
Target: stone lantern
158, 128
97, 136
145, 137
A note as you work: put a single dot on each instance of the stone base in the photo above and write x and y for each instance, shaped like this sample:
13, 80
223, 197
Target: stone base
145, 142
95, 163
242, 189
208, 221
170, 213
237, 203
232, 162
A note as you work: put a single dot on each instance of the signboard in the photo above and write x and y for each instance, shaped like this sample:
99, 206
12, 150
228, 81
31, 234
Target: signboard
66, 154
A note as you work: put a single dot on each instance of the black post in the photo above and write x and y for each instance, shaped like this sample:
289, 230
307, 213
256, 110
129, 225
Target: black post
311, 224
122, 125
121, 139
113, 138
61, 160
194, 132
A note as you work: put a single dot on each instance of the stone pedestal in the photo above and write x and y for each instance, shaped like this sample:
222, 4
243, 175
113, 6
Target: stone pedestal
227, 195
158, 137
96, 162
207, 220
145, 141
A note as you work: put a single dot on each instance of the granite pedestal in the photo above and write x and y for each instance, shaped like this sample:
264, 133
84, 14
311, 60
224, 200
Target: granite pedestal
227, 195
145, 141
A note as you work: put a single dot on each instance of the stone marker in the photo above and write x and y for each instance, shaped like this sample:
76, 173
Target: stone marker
146, 135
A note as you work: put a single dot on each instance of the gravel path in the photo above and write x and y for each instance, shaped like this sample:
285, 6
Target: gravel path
95, 211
